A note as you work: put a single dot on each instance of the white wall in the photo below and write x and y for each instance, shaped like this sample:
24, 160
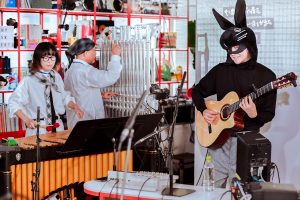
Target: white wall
284, 134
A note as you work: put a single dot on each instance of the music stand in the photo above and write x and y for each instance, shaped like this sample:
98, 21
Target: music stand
97, 134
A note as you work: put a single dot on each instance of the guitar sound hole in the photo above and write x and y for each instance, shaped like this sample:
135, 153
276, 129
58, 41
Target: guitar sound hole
225, 113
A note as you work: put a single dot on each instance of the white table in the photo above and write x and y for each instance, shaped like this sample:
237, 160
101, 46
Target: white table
104, 188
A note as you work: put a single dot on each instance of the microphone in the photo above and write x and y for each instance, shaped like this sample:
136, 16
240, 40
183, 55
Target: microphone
182, 81
148, 136
145, 138
131, 120
114, 164
38, 118
63, 25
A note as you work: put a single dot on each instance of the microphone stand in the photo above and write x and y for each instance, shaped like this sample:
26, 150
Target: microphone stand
128, 132
171, 191
114, 164
36, 174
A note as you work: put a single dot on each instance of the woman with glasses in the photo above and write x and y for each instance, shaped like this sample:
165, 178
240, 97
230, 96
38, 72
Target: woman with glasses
84, 81
43, 88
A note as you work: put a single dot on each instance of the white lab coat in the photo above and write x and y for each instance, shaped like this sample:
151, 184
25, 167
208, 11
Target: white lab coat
84, 82
30, 94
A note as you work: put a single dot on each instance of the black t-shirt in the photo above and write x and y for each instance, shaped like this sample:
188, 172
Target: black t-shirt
226, 77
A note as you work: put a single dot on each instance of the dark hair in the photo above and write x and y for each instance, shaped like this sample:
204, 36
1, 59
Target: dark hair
41, 50
78, 47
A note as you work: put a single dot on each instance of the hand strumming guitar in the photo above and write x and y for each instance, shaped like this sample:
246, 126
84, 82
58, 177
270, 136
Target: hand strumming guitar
210, 115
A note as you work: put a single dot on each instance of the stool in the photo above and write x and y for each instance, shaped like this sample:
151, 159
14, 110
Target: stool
185, 164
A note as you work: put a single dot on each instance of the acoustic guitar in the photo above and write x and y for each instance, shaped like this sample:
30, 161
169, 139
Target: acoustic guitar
230, 116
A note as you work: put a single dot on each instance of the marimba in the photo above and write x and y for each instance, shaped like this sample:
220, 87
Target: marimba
56, 169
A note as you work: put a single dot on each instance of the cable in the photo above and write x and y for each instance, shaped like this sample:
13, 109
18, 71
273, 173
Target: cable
151, 108
202, 168
224, 194
273, 168
113, 188
277, 172
143, 186
148, 106
272, 172
103, 188
139, 157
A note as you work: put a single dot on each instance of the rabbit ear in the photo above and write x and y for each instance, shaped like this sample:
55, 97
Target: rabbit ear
224, 23
240, 14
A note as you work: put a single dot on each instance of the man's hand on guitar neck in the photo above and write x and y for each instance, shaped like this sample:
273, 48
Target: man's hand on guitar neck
249, 107
210, 115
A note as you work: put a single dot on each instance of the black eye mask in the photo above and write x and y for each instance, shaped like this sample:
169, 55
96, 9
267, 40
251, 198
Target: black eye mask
241, 48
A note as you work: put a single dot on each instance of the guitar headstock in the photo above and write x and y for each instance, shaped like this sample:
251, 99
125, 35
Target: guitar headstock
285, 81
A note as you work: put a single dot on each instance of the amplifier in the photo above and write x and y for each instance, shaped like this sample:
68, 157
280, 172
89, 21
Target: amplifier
253, 157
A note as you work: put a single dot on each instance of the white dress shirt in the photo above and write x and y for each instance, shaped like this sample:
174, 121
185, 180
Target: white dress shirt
84, 82
30, 94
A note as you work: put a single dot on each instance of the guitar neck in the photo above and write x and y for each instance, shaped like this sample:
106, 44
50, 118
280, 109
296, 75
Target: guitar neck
265, 89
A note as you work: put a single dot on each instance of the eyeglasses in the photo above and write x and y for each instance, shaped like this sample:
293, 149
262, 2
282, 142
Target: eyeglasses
47, 58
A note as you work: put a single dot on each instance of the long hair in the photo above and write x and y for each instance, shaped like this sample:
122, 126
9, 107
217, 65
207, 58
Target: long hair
41, 50
78, 47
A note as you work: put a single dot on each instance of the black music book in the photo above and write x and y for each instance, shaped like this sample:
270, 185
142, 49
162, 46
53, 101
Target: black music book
97, 134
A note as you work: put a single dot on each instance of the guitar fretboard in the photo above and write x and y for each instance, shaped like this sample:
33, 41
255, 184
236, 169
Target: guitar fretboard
266, 88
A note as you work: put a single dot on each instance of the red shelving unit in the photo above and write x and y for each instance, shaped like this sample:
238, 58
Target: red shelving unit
60, 14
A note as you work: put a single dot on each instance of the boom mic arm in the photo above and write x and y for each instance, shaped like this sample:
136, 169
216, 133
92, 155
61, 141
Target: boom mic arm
148, 136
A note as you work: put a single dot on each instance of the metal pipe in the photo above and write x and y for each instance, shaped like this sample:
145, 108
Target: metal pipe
136, 53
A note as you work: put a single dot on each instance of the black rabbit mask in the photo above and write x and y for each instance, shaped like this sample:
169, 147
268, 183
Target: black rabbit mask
238, 33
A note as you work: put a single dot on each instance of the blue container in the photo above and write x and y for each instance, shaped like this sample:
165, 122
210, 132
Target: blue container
11, 4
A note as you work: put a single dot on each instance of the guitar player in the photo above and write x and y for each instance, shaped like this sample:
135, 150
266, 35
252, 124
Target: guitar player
242, 74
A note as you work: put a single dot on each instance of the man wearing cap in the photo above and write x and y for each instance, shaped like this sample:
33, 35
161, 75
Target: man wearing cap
84, 81
239, 73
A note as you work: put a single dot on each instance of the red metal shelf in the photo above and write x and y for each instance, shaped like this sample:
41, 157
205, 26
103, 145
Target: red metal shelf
164, 49
15, 134
149, 16
16, 50
2, 9
91, 13
6, 91
97, 14
30, 10
171, 82
38, 10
